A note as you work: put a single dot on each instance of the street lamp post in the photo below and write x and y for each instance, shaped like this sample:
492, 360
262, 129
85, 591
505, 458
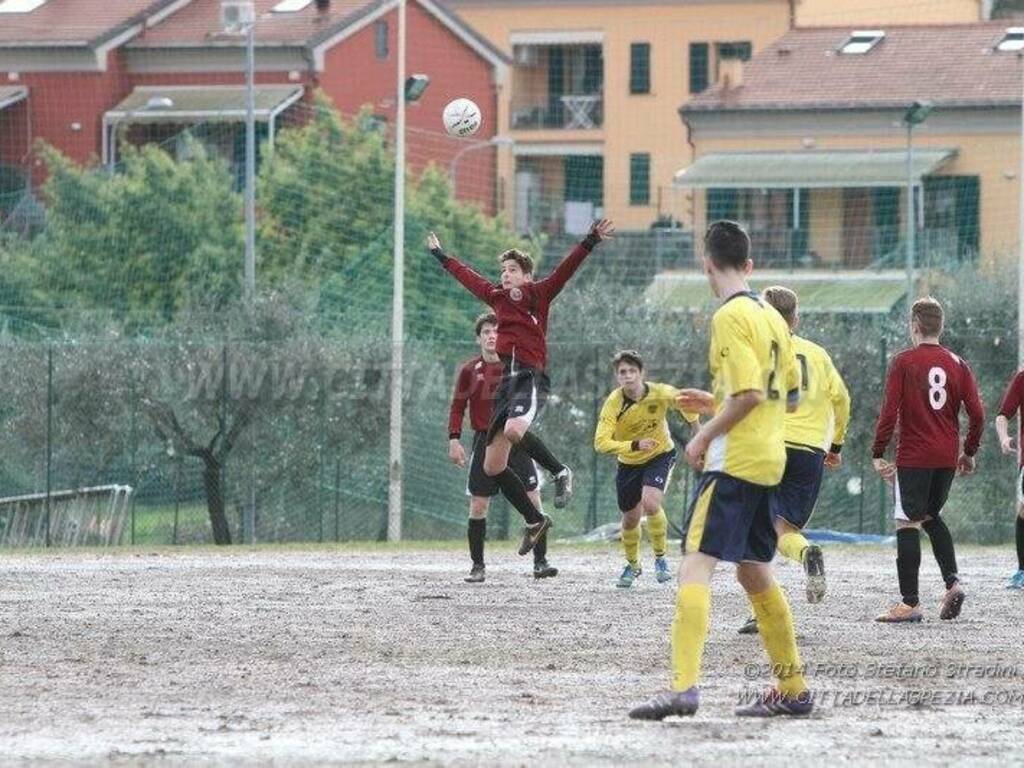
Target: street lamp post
916, 114
494, 141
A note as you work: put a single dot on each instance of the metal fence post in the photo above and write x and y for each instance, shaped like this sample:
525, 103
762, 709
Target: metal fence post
883, 347
49, 437
595, 405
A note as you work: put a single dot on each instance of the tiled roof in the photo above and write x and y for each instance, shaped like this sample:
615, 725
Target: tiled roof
949, 65
75, 22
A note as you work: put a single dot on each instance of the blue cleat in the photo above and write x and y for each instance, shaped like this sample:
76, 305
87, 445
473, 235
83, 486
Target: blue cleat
661, 571
775, 704
679, 703
629, 575
1016, 581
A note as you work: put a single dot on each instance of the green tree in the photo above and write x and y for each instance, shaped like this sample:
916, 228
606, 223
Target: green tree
142, 243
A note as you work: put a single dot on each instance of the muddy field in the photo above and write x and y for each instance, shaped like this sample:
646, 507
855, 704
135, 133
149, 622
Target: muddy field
382, 655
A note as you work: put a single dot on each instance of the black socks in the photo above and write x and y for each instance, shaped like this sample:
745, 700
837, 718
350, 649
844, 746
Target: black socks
477, 536
908, 563
1020, 543
539, 452
514, 490
942, 547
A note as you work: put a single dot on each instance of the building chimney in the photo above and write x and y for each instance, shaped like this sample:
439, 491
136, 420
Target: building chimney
730, 73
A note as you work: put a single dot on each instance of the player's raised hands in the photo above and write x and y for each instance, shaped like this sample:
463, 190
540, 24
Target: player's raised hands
432, 242
603, 229
885, 468
696, 401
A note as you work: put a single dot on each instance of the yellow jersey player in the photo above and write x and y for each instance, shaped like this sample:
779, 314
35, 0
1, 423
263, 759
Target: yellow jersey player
633, 425
814, 438
742, 453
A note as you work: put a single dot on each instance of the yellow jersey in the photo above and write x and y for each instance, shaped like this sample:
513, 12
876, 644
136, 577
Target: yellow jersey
751, 349
623, 421
824, 411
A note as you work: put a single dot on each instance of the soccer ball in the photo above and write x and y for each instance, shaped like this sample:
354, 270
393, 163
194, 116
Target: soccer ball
462, 118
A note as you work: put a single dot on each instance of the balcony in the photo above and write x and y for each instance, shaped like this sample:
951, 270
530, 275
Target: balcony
558, 87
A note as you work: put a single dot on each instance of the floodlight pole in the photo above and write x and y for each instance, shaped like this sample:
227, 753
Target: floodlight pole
250, 163
397, 297
911, 214
1020, 232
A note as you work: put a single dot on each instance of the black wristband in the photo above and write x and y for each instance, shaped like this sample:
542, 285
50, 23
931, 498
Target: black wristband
439, 254
635, 445
836, 448
454, 435
590, 241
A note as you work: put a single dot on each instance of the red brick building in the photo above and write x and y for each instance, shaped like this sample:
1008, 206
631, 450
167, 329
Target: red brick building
72, 71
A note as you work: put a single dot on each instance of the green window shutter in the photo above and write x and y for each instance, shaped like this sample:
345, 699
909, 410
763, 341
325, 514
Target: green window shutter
699, 53
640, 68
640, 179
740, 49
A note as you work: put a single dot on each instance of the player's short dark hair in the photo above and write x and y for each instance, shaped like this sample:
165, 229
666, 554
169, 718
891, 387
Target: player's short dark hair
630, 356
487, 318
524, 260
727, 244
927, 313
783, 299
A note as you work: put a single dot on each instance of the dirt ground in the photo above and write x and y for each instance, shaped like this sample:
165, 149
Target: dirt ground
295, 656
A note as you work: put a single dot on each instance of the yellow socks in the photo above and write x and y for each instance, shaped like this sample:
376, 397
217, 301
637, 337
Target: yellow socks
689, 631
657, 530
792, 545
775, 623
631, 545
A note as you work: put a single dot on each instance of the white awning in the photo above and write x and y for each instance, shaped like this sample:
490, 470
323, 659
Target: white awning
12, 94
795, 170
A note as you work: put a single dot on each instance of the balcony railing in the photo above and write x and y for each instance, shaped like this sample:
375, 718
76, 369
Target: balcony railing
570, 111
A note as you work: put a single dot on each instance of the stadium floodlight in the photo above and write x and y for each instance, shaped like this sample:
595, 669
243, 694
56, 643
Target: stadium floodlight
415, 85
915, 115
917, 112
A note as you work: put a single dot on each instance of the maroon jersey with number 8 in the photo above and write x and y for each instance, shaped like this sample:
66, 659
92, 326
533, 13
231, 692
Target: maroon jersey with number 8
924, 391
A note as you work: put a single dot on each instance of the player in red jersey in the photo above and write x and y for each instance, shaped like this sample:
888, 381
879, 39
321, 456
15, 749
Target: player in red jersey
522, 305
1013, 399
475, 386
924, 390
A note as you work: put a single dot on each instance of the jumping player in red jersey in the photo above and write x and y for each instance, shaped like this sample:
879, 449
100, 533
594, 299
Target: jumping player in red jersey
1012, 403
924, 390
522, 305
475, 386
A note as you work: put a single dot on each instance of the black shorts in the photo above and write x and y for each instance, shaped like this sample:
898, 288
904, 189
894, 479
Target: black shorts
731, 519
794, 498
480, 484
921, 493
522, 393
631, 478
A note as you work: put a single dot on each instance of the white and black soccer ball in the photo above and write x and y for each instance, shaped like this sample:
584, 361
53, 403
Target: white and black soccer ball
462, 118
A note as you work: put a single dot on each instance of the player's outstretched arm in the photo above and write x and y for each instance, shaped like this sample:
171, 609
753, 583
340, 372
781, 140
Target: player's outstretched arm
887, 417
552, 284
696, 401
840, 397
1008, 408
472, 280
460, 397
975, 416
